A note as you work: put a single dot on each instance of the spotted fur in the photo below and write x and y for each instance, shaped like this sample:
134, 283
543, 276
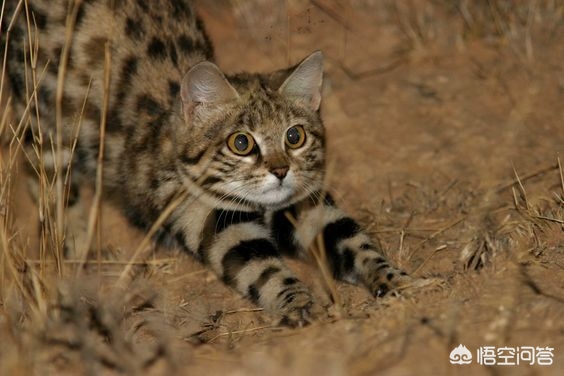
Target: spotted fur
171, 113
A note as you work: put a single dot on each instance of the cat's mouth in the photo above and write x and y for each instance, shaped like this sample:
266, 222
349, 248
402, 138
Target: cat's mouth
274, 197
275, 193
270, 193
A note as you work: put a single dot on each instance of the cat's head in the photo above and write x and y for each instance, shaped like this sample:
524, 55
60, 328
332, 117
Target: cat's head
254, 140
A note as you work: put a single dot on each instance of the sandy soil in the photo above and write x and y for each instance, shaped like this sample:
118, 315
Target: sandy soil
445, 126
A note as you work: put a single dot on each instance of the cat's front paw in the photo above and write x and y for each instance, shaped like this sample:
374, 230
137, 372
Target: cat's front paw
393, 281
296, 307
398, 282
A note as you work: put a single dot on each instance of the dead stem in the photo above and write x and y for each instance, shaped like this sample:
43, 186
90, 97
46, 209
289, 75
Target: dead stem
107, 262
522, 188
433, 235
317, 249
242, 331
68, 182
288, 35
94, 210
400, 247
526, 177
561, 176
435, 251
336, 15
186, 275
515, 200
62, 69
5, 59
244, 310
528, 281
143, 248
549, 219
320, 255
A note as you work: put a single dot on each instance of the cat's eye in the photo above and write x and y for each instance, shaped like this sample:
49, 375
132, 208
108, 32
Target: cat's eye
295, 137
241, 143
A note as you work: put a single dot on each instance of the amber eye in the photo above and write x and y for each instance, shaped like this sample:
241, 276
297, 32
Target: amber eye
295, 137
241, 143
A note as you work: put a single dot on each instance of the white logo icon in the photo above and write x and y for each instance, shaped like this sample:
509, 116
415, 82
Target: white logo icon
460, 355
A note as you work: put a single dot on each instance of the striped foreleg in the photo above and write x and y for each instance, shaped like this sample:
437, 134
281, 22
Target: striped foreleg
351, 254
245, 257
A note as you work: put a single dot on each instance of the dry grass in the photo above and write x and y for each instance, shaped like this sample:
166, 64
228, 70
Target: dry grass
492, 228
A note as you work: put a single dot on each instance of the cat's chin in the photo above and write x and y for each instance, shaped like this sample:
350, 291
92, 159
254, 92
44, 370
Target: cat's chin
274, 198
274, 194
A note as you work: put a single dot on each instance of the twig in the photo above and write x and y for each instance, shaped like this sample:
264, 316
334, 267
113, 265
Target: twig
515, 200
241, 332
550, 219
448, 188
527, 280
435, 251
394, 64
94, 210
400, 247
152, 231
523, 192
433, 235
185, 275
529, 176
107, 262
244, 310
561, 176
317, 249
335, 15
60, 210
408, 231
320, 255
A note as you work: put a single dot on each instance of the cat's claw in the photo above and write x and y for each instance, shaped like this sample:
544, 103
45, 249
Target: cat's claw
298, 318
403, 285
299, 312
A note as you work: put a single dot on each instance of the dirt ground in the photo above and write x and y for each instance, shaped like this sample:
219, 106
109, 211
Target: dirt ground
446, 133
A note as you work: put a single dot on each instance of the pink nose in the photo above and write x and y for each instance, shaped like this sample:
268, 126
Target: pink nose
280, 172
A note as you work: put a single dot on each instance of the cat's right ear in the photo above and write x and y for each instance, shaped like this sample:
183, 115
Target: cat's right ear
304, 83
204, 86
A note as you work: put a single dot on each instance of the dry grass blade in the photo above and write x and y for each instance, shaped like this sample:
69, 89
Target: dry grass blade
105, 262
243, 310
332, 10
94, 211
4, 62
515, 200
319, 254
183, 196
62, 71
435, 234
561, 176
522, 189
435, 251
127, 273
528, 280
526, 177
242, 331
561, 221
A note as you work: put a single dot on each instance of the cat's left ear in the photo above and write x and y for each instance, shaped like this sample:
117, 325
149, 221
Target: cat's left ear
304, 83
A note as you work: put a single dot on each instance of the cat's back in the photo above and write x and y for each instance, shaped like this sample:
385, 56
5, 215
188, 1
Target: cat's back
150, 46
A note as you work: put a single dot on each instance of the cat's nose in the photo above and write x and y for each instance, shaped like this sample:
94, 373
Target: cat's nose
280, 172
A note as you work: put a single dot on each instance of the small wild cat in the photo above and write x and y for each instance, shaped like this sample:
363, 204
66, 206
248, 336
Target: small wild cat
249, 148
